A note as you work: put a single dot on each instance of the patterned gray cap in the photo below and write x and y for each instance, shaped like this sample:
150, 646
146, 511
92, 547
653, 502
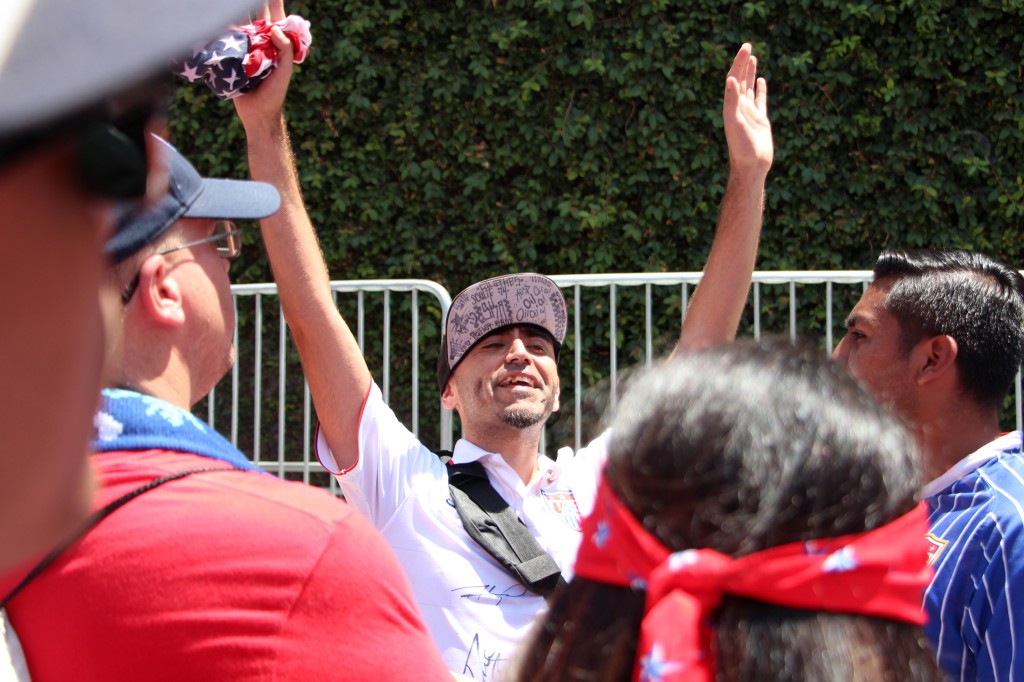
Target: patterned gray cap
496, 303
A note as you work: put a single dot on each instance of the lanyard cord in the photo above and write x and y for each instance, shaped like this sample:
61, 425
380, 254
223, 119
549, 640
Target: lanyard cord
94, 519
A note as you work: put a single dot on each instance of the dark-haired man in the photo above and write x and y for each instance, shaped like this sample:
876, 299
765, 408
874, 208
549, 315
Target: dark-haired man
498, 370
939, 336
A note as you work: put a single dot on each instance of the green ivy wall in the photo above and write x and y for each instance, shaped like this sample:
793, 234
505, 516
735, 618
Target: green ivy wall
457, 140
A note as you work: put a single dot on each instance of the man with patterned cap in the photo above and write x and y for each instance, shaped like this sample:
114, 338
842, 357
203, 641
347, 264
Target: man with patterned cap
253, 572
498, 370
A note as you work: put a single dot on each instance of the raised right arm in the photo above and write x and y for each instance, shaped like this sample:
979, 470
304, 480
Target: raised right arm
332, 361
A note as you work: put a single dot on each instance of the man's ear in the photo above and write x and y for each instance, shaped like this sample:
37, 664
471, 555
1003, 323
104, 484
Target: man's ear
160, 292
449, 399
557, 390
935, 358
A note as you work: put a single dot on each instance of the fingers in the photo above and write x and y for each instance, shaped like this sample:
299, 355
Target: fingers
283, 44
751, 74
740, 63
732, 90
276, 11
273, 11
742, 80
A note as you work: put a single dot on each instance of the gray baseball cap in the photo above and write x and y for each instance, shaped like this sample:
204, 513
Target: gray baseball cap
60, 56
494, 304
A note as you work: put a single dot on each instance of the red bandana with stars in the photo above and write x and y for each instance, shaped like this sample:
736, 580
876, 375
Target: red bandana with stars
880, 573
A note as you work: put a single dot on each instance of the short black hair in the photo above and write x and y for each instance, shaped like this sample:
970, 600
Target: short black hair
969, 296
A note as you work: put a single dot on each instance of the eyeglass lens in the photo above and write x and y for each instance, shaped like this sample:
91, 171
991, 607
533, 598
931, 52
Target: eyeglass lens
226, 238
231, 246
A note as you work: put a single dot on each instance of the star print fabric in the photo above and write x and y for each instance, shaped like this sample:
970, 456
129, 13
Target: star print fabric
880, 573
238, 60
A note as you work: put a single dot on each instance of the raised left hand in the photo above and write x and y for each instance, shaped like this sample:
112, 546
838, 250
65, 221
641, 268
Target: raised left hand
748, 131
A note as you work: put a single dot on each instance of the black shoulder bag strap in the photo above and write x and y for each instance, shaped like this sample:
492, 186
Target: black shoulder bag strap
93, 520
493, 525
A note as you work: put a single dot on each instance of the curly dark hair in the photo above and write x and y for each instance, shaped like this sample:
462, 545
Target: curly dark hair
739, 449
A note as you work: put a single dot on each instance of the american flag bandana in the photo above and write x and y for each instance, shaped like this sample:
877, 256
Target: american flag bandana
238, 60
881, 573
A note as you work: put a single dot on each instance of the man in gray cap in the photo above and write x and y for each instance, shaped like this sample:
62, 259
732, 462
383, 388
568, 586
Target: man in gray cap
210, 568
69, 70
498, 369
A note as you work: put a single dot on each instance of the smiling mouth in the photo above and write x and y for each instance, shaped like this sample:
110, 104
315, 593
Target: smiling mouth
517, 382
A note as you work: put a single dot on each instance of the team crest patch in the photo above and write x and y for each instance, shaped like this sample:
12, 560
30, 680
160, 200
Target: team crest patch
936, 546
563, 504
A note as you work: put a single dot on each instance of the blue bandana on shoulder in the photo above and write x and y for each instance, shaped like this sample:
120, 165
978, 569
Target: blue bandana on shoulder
128, 420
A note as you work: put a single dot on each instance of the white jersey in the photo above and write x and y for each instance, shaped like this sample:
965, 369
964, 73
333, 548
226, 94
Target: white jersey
478, 614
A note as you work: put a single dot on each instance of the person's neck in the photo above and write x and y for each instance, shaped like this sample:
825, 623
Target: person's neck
157, 387
518, 447
150, 363
954, 434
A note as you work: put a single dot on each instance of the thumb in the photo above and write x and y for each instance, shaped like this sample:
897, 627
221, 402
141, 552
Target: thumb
284, 46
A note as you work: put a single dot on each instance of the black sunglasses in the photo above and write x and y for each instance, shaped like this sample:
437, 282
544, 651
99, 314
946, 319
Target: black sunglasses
110, 139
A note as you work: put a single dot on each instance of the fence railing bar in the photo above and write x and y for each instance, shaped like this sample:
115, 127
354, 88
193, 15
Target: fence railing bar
664, 278
257, 397
211, 402
361, 321
613, 346
234, 381
415, 364
286, 467
792, 312
282, 395
307, 416
648, 326
386, 355
757, 310
686, 304
578, 373
445, 299
828, 317
587, 280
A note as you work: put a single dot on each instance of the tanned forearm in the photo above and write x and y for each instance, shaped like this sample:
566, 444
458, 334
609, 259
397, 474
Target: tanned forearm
334, 366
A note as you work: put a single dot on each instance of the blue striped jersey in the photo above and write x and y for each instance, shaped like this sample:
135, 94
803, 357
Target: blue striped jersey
975, 603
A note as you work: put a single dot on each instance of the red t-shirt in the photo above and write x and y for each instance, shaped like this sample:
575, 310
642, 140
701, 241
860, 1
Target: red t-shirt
227, 575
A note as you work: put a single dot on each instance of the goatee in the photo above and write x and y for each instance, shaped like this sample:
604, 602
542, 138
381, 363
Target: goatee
522, 419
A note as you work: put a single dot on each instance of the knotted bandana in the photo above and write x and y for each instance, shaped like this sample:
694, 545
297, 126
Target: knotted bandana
241, 58
128, 420
880, 573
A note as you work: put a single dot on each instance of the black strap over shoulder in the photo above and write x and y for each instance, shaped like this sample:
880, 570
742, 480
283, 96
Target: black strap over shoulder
493, 525
93, 520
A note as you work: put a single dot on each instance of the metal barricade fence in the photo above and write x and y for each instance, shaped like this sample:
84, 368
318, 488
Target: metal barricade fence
267, 389
645, 299
616, 321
